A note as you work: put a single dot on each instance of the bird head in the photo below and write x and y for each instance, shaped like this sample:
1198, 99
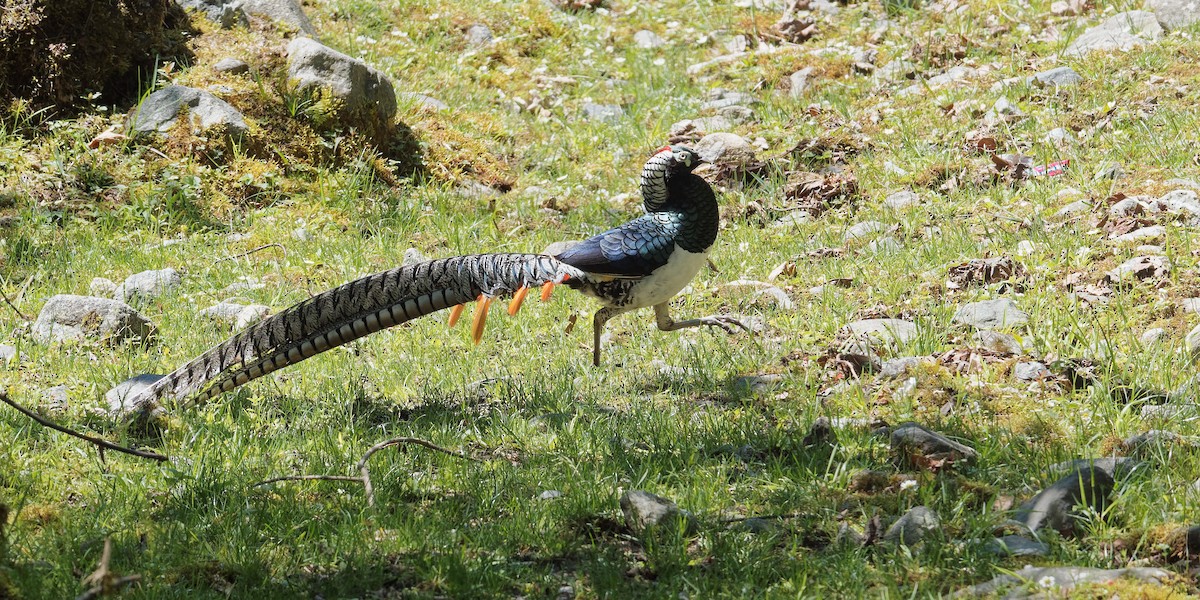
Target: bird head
682, 158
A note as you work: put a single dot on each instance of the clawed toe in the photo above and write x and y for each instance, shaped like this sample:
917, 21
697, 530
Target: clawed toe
728, 324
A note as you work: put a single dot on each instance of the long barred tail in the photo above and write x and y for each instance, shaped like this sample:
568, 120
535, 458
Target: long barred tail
351, 311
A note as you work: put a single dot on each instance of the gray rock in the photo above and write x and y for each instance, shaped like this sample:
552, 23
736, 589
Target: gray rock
647, 39
1192, 341
159, 112
228, 14
603, 113
820, 433
1031, 371
412, 256
724, 148
301, 234
1120, 32
69, 317
1180, 202
1117, 467
8, 353
1001, 313
287, 12
1141, 235
792, 219
1062, 578
232, 66
102, 287
365, 95
755, 525
902, 200
884, 244
120, 397
953, 74
886, 331
645, 511
479, 35
1078, 206
550, 495
913, 526
1142, 442
757, 384
720, 97
424, 100
1151, 336
238, 315
556, 248
1003, 111
862, 230
736, 114
799, 82
897, 69
139, 288
1060, 136
1140, 267
1184, 183
1175, 14
897, 367
1127, 208
999, 342
1058, 77
1054, 507
1190, 305
1017, 545
910, 438
56, 397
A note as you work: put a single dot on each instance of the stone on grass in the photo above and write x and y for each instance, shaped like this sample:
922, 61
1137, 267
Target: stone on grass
479, 35
862, 230
645, 511
238, 315
1175, 14
227, 14
902, 200
1152, 335
159, 112
1031, 371
140, 288
8, 353
365, 95
424, 100
1060, 136
757, 384
556, 248
1061, 578
287, 12
1140, 267
102, 287
1121, 32
1146, 442
1001, 313
998, 342
1140, 235
913, 526
1054, 507
1058, 77
891, 332
924, 447
412, 256
1017, 545
70, 317
120, 397
820, 434
56, 397
647, 39
799, 82
603, 113
724, 148
895, 367
550, 495
232, 66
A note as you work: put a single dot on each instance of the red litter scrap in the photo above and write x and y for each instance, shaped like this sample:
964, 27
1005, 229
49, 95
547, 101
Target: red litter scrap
1053, 169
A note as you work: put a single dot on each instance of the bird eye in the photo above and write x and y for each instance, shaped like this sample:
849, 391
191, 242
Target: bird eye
684, 157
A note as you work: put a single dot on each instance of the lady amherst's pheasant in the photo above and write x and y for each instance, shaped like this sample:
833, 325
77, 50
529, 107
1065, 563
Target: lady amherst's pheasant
641, 263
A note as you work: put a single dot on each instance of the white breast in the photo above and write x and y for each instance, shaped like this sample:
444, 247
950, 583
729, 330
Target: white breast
667, 280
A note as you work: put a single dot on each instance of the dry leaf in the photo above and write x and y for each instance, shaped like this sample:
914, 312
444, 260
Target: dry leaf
107, 138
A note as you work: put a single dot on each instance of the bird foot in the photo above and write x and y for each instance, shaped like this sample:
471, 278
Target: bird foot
726, 323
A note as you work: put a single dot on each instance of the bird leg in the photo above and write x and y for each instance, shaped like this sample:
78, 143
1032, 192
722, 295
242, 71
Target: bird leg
662, 314
602, 316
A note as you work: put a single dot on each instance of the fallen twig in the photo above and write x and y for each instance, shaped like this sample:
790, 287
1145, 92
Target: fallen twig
102, 443
364, 469
102, 580
252, 251
14, 306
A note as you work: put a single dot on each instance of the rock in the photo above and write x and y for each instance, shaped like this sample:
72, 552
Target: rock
1181, 182
1128, 207
799, 82
140, 288
1140, 267
718, 98
913, 526
820, 434
69, 317
998, 342
1180, 202
736, 114
412, 256
227, 14
8, 354
1142, 442
479, 35
1054, 506
1141, 235
792, 219
916, 444
56, 397
1017, 545
1190, 305
287, 12
232, 66
1063, 578
121, 395
102, 287
1120, 32
364, 95
897, 69
550, 495
724, 148
1059, 77
757, 384
1175, 14
603, 113
952, 75
755, 525
238, 315
1003, 111
862, 230
902, 200
897, 367
1192, 341
645, 511
884, 244
1060, 136
1151, 336
556, 248
1026, 248
892, 332
647, 39
301, 234
159, 112
424, 100
1117, 467
1078, 206
1001, 313
1031, 371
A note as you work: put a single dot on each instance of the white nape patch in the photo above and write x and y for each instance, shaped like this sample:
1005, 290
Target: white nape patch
669, 279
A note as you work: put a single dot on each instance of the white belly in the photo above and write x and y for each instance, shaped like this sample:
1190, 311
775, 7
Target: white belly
668, 280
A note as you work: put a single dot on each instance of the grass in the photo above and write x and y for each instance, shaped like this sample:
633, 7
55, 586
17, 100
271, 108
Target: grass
444, 527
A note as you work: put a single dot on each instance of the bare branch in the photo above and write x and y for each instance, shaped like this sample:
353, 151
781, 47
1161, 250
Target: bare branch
308, 478
101, 443
100, 591
14, 306
252, 251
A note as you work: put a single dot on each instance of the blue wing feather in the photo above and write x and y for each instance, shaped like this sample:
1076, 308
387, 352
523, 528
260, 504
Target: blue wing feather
635, 249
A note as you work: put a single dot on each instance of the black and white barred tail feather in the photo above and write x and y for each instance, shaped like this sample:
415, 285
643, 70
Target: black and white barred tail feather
351, 311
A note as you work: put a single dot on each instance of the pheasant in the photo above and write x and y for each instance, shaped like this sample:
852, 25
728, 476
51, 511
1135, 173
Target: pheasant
642, 263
